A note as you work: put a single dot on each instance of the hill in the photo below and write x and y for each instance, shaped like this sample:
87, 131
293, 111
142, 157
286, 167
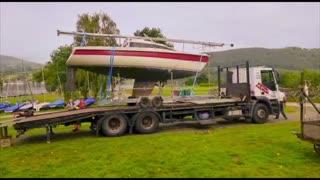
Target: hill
291, 58
9, 64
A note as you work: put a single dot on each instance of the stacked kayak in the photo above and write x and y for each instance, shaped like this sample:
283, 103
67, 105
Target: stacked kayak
57, 104
14, 108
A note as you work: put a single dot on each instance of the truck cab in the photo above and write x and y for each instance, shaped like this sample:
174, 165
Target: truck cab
264, 83
257, 86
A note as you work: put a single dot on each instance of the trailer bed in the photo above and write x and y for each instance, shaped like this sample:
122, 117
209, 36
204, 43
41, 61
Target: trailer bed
63, 117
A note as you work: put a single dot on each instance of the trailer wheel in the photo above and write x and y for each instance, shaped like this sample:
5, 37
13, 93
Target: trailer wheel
317, 148
114, 125
260, 114
144, 102
157, 101
146, 122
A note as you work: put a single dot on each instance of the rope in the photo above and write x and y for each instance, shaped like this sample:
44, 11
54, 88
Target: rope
83, 42
195, 78
100, 92
113, 50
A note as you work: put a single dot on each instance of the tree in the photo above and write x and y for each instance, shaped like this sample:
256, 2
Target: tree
96, 23
55, 69
153, 32
202, 78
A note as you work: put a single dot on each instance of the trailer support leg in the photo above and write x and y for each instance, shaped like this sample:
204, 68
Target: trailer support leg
51, 131
48, 134
131, 124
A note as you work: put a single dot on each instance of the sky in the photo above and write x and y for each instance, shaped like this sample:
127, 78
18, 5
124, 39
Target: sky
29, 30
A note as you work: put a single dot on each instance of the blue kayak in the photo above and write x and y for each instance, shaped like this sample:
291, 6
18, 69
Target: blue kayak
57, 103
14, 108
4, 105
89, 101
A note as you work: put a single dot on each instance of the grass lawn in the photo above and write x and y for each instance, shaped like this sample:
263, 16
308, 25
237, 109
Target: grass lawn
238, 150
40, 97
242, 150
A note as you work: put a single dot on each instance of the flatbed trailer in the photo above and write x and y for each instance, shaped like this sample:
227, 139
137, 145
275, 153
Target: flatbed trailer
151, 117
234, 101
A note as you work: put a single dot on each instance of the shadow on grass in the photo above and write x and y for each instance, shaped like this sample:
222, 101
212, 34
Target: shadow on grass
193, 125
57, 136
85, 133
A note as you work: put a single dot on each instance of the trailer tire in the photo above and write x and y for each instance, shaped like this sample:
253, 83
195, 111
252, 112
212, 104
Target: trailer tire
114, 125
317, 148
157, 101
146, 122
144, 102
260, 114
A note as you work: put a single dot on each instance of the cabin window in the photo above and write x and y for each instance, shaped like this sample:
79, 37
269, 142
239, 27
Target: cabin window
145, 45
268, 80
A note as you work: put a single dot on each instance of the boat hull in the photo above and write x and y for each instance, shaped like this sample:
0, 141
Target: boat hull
138, 63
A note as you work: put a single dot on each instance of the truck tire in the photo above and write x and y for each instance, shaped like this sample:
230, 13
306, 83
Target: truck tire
157, 101
144, 102
114, 125
260, 114
146, 122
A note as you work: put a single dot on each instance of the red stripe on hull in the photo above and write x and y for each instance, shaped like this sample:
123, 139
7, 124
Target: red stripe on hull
186, 57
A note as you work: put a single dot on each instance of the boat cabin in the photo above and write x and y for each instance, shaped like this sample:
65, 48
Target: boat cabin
145, 44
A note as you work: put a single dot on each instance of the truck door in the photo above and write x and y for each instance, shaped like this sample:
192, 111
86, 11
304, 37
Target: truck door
268, 84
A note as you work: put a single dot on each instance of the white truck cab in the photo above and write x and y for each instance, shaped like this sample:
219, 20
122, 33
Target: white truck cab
259, 88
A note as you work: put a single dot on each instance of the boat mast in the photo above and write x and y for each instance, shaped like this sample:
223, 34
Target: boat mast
145, 38
43, 86
27, 82
8, 87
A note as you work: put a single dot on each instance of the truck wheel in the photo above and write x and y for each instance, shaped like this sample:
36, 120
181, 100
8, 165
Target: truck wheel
260, 114
146, 123
144, 102
114, 125
317, 148
157, 101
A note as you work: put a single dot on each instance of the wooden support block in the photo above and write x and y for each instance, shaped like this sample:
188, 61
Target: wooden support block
5, 142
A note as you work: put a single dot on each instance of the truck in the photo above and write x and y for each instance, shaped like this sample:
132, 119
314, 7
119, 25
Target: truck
244, 92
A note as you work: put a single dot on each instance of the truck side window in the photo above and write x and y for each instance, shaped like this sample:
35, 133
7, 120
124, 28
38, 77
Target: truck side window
268, 80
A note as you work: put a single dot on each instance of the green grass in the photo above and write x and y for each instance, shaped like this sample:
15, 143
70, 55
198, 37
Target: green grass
245, 150
291, 109
314, 100
48, 98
